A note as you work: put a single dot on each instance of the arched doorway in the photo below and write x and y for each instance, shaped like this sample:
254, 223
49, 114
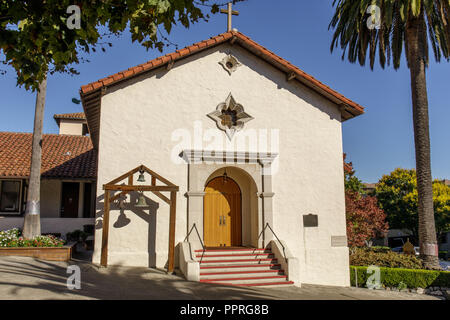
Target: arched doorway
222, 216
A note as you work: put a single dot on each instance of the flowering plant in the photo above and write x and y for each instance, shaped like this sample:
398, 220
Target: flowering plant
13, 238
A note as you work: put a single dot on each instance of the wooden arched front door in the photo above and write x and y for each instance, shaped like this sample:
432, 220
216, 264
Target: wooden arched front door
222, 213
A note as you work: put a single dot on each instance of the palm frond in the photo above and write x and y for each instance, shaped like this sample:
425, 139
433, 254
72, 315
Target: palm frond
353, 36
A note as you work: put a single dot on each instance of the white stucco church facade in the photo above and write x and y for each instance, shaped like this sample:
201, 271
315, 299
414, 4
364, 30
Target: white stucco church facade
255, 146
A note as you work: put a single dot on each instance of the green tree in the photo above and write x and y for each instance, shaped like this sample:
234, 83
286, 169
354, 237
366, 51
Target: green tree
395, 196
398, 196
382, 27
42, 37
441, 201
352, 183
365, 219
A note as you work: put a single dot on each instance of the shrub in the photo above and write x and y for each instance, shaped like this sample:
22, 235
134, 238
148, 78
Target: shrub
402, 285
383, 258
77, 235
13, 238
380, 249
399, 277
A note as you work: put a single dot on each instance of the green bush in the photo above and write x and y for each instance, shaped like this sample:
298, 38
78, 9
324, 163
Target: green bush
379, 249
394, 277
77, 235
383, 258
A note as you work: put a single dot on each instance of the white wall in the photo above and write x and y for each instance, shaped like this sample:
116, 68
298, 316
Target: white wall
137, 123
71, 127
48, 225
50, 211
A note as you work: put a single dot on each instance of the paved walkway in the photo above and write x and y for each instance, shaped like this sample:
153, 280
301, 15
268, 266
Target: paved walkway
28, 278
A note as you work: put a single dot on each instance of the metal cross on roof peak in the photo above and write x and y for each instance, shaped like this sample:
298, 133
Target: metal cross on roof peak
230, 12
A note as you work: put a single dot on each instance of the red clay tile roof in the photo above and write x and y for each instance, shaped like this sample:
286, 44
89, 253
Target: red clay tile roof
228, 36
91, 94
63, 156
70, 116
78, 116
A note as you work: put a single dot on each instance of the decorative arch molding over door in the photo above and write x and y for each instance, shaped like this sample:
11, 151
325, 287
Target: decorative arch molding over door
222, 213
257, 166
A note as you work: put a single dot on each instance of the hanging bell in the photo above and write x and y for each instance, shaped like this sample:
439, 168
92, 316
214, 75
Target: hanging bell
225, 177
141, 202
141, 177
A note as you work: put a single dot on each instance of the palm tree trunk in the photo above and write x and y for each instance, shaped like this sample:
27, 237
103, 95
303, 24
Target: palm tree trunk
32, 221
416, 48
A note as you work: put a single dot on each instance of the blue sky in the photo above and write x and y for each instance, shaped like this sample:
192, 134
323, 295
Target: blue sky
377, 142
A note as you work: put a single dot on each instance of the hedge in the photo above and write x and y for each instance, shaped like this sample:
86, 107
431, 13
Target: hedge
383, 258
412, 278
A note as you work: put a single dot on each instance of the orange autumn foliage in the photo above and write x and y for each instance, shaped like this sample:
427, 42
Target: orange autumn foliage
365, 219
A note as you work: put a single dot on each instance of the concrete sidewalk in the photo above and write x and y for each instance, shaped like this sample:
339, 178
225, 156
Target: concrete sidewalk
28, 278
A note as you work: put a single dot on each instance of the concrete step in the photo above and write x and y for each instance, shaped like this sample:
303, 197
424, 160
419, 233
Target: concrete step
210, 257
225, 262
236, 274
239, 267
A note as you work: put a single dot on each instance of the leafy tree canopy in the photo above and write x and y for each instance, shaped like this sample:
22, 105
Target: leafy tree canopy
387, 33
365, 219
35, 37
397, 195
352, 183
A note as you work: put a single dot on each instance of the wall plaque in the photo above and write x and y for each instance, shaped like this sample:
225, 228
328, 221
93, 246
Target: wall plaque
338, 241
310, 220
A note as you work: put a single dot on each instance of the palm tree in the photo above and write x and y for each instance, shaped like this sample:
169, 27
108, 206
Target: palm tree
32, 222
385, 26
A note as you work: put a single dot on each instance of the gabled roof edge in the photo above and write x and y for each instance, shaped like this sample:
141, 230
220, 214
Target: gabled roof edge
91, 93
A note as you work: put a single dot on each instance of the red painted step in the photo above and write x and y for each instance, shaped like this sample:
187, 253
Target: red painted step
242, 266
232, 249
254, 284
242, 272
237, 260
234, 255
242, 278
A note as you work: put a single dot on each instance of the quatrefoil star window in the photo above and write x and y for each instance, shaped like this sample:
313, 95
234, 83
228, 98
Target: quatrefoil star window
230, 116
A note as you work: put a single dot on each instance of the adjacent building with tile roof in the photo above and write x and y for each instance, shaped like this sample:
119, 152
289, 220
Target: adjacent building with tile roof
63, 156
68, 171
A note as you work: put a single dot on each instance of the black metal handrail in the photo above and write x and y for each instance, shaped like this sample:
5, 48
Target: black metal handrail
262, 233
194, 226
